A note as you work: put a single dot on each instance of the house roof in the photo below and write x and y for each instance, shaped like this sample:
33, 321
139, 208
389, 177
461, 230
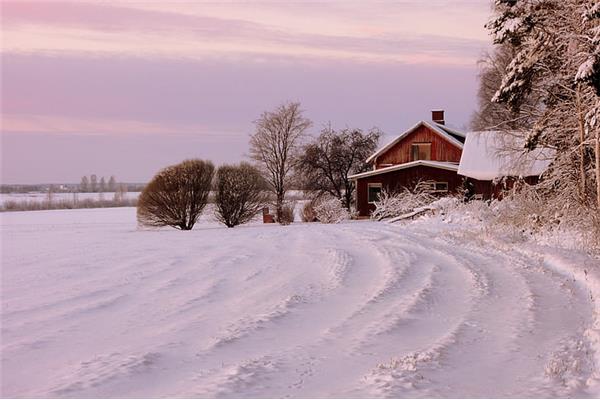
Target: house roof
451, 135
490, 154
426, 163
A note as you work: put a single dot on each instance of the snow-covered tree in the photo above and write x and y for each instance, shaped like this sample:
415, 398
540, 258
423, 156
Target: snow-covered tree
555, 46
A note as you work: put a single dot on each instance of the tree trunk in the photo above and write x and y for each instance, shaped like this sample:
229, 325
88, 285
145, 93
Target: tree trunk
582, 183
598, 167
348, 198
279, 206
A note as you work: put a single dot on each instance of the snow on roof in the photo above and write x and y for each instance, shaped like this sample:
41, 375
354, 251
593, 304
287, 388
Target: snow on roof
491, 154
440, 129
426, 163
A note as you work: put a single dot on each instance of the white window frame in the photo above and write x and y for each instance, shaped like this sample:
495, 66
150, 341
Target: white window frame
374, 185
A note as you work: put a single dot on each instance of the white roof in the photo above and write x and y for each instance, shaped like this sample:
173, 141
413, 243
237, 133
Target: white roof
440, 129
491, 154
426, 163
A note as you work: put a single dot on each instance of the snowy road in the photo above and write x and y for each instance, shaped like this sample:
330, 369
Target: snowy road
93, 307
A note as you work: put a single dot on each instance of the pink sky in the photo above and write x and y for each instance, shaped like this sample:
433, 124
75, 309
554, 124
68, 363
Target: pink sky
125, 88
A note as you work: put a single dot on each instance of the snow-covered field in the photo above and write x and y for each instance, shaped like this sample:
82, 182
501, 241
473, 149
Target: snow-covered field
92, 306
43, 197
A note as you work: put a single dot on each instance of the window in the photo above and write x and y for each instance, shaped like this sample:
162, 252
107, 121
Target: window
441, 186
374, 192
421, 151
433, 187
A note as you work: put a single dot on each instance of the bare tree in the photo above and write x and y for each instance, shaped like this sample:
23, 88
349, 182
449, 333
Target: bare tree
102, 184
240, 194
120, 193
177, 195
50, 195
84, 186
275, 146
327, 161
112, 184
93, 183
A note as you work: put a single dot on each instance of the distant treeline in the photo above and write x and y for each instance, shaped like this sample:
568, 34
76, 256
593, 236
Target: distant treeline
67, 188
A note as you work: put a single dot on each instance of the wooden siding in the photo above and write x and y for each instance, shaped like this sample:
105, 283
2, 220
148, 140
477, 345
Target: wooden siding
488, 190
396, 180
401, 152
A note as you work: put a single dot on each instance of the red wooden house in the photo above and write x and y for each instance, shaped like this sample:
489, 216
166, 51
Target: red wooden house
428, 151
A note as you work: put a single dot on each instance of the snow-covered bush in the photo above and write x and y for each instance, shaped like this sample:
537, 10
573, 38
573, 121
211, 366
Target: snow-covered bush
287, 213
331, 211
393, 204
523, 214
527, 210
308, 212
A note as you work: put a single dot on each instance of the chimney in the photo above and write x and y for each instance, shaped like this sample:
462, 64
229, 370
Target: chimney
438, 116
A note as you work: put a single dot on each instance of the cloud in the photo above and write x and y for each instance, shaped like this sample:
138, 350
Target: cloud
151, 31
131, 86
61, 125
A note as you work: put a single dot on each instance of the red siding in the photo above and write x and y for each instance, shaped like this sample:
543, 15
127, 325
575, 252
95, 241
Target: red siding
400, 153
396, 180
489, 190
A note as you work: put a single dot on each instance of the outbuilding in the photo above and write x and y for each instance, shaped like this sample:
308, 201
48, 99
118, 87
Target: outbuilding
492, 161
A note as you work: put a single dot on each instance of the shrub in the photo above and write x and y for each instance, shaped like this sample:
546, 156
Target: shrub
239, 194
286, 216
308, 212
331, 211
394, 204
177, 195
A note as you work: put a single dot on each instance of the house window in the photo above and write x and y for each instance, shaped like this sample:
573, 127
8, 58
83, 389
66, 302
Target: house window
441, 186
421, 151
434, 187
374, 190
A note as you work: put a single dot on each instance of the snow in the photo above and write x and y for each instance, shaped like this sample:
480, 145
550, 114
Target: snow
510, 26
450, 166
489, 155
93, 306
585, 70
39, 197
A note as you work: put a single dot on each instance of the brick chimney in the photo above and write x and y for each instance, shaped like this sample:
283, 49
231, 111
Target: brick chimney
438, 116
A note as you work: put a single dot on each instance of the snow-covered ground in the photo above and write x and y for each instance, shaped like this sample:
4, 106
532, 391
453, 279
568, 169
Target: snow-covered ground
92, 306
43, 197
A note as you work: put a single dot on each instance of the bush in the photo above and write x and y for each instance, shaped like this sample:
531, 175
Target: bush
239, 194
392, 204
308, 212
331, 211
287, 214
177, 195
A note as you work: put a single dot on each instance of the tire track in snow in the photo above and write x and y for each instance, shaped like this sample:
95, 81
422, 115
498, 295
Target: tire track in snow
361, 309
484, 334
